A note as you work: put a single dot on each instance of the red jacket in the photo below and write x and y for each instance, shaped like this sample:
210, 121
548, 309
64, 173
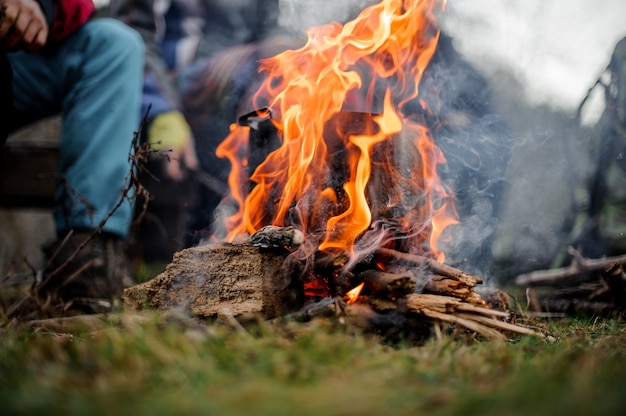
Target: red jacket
65, 16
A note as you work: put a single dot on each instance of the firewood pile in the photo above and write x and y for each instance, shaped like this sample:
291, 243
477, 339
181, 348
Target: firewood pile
586, 286
265, 278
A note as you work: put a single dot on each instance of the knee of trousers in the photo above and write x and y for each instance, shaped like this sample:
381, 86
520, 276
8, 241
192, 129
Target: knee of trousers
111, 37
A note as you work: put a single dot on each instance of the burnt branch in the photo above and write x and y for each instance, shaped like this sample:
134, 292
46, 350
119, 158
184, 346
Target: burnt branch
432, 264
272, 236
392, 285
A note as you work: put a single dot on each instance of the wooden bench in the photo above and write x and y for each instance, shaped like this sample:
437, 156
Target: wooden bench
28, 166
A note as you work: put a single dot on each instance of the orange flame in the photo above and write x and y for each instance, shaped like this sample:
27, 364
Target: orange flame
233, 148
352, 296
332, 181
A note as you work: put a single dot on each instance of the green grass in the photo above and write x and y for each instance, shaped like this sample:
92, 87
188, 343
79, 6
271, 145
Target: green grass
164, 369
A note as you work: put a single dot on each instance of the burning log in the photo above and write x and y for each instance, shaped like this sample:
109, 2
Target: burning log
272, 236
446, 280
390, 285
432, 264
243, 281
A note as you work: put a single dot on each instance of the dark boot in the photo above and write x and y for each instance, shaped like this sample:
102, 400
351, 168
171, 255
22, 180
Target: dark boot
85, 272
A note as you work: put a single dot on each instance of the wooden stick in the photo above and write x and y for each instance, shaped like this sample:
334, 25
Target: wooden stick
467, 323
433, 265
497, 324
443, 285
327, 307
417, 301
468, 307
448, 304
453, 310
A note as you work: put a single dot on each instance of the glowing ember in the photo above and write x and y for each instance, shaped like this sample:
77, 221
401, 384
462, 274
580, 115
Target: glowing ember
355, 157
353, 295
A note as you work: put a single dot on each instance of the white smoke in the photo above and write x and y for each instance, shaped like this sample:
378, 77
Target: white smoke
557, 48
302, 14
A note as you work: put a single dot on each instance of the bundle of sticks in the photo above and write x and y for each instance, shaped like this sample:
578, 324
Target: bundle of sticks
411, 285
448, 296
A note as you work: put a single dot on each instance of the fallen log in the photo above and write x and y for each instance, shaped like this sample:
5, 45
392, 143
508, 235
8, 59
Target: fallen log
592, 286
576, 272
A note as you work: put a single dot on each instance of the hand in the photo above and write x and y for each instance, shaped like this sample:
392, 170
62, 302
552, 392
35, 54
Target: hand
170, 132
22, 25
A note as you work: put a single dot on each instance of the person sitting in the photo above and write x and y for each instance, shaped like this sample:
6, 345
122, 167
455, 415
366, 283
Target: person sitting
201, 60
56, 57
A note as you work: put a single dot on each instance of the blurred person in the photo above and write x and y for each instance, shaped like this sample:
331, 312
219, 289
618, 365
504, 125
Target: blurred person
201, 63
211, 50
55, 57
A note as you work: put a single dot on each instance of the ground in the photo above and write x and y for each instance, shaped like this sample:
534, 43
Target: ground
171, 364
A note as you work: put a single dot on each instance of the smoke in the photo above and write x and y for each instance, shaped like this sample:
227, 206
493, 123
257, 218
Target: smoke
299, 15
540, 58
507, 157
556, 48
462, 119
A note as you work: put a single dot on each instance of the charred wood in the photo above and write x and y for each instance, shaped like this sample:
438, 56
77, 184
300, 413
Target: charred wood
381, 305
432, 264
390, 285
443, 285
272, 236
326, 307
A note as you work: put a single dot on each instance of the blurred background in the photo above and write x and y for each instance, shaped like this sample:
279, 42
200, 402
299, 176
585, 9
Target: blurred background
540, 59
555, 50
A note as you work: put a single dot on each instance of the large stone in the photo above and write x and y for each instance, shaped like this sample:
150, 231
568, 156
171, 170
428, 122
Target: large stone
221, 279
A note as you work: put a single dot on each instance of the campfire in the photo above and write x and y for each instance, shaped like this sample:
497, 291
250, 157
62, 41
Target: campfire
335, 200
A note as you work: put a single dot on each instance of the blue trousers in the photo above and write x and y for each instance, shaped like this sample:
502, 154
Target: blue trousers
93, 78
